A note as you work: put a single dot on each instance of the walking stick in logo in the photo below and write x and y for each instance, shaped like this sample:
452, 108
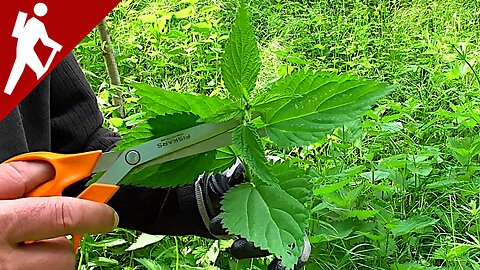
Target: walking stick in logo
28, 33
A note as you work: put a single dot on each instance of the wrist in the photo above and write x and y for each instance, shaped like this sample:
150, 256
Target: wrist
187, 203
201, 199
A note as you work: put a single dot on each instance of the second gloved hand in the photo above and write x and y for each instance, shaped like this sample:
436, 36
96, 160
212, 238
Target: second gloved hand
209, 191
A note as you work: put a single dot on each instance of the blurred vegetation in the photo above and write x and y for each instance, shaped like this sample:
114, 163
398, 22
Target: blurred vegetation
400, 190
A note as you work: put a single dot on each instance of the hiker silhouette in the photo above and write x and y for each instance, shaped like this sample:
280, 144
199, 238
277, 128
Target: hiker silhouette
28, 34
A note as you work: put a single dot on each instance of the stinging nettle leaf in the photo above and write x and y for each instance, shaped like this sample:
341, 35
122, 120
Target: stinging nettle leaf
247, 141
168, 124
266, 101
156, 127
160, 102
226, 113
324, 102
132, 137
224, 159
241, 61
294, 181
411, 225
267, 216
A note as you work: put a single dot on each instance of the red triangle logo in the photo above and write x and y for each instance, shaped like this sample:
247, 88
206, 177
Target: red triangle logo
35, 36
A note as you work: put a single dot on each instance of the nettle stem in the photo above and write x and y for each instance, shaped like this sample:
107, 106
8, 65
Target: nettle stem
249, 176
247, 117
248, 173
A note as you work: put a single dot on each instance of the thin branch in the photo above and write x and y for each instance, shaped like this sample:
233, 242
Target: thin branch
112, 67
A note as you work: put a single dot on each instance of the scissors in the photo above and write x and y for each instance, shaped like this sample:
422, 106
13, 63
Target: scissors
72, 168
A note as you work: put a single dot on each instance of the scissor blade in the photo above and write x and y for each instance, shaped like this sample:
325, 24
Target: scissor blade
182, 139
105, 161
165, 145
216, 142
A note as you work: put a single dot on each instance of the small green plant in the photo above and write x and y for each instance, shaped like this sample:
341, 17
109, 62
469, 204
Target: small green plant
297, 110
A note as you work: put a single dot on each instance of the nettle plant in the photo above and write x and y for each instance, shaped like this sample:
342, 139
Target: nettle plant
296, 110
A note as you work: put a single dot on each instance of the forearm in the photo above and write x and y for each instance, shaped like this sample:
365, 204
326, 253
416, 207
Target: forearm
167, 211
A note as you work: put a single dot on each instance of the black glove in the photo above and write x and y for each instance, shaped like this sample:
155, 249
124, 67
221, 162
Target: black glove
209, 191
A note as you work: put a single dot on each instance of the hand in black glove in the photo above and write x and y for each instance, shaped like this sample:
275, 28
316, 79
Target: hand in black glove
209, 191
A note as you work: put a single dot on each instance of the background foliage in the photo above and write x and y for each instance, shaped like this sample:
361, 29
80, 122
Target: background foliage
400, 190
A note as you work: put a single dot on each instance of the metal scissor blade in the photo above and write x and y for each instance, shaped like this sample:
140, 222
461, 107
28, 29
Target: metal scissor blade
105, 161
216, 142
219, 141
163, 146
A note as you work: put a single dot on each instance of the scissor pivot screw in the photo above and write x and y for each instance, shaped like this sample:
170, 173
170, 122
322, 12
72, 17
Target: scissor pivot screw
132, 157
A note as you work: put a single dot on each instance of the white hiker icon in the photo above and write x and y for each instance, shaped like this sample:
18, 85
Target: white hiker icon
28, 34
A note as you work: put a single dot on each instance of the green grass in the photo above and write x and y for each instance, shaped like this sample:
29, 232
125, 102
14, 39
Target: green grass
409, 192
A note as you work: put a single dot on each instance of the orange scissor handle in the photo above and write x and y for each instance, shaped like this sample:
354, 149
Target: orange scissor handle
69, 169
101, 193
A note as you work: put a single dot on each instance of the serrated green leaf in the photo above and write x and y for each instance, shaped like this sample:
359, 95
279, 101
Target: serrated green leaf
224, 159
156, 127
267, 216
168, 124
160, 102
241, 61
268, 100
135, 136
413, 224
325, 102
294, 181
247, 141
224, 114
